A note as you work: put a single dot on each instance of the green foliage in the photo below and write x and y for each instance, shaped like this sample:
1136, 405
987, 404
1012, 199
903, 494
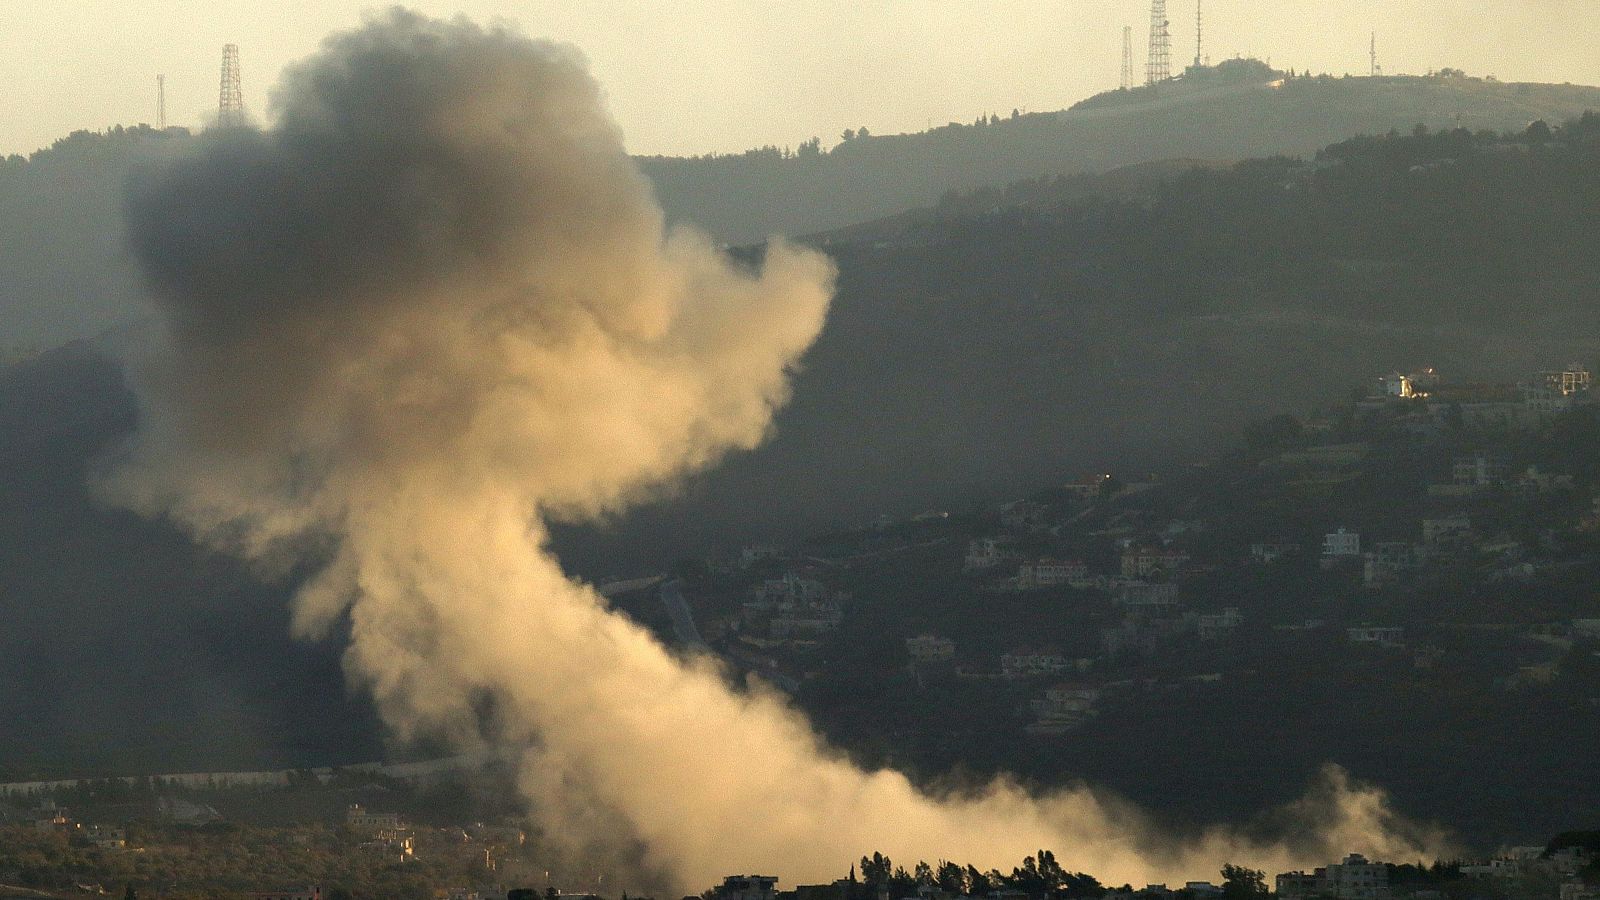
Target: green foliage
1241, 883
1039, 876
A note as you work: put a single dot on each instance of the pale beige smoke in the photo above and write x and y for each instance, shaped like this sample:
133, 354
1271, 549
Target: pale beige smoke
435, 307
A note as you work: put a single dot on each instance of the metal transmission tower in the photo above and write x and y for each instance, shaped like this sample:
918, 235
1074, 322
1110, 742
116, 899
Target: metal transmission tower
230, 102
1199, 34
1158, 65
161, 102
1127, 57
1372, 53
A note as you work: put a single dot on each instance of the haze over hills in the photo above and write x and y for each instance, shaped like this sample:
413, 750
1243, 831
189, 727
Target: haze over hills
1003, 341
64, 273
1139, 332
1241, 108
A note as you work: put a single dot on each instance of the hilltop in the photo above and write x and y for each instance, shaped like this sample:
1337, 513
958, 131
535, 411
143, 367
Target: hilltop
64, 273
1239, 109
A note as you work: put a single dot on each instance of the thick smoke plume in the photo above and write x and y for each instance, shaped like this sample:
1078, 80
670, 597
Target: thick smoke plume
436, 306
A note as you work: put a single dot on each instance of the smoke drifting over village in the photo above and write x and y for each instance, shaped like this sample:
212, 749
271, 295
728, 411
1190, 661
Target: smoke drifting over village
436, 307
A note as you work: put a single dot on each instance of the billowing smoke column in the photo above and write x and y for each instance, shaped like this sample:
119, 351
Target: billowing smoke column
435, 307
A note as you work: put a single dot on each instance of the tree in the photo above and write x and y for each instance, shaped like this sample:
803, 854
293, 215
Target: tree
848, 135
1241, 883
863, 133
876, 869
951, 878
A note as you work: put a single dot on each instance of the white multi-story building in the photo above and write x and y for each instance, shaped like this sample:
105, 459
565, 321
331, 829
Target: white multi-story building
1341, 543
1051, 573
358, 816
1356, 878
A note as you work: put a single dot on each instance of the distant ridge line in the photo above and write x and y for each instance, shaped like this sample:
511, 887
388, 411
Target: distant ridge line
266, 778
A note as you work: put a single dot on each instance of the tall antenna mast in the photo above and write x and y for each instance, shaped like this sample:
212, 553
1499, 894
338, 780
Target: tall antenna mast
161, 102
1127, 57
1199, 33
1373, 53
230, 102
1158, 65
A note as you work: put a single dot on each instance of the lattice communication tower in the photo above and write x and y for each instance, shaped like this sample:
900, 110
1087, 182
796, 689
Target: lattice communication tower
1158, 65
230, 102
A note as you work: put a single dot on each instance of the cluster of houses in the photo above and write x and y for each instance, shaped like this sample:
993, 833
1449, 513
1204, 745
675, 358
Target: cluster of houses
1503, 405
792, 608
1142, 590
52, 817
1353, 878
382, 832
1356, 878
1150, 587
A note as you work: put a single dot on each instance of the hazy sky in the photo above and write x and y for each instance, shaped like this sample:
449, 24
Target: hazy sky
689, 76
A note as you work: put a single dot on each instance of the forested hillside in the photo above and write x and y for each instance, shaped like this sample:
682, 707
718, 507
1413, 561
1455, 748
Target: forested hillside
1239, 109
988, 349
1004, 342
64, 274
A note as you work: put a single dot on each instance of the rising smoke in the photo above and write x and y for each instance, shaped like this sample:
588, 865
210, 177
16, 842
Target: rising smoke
436, 307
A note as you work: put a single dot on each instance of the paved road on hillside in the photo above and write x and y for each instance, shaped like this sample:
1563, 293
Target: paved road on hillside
683, 626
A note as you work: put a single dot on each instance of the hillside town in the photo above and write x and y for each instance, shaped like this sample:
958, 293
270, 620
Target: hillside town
1151, 566
1425, 539
1437, 533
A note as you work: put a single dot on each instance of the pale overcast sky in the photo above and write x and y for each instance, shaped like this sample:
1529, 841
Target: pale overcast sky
687, 76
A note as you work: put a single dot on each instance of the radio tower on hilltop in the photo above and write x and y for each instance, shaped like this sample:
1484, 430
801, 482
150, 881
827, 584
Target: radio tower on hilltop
1199, 34
1372, 52
230, 103
1158, 65
161, 102
1127, 57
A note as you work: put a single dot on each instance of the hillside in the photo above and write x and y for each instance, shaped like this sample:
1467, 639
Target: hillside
1002, 343
1240, 110
987, 350
64, 275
